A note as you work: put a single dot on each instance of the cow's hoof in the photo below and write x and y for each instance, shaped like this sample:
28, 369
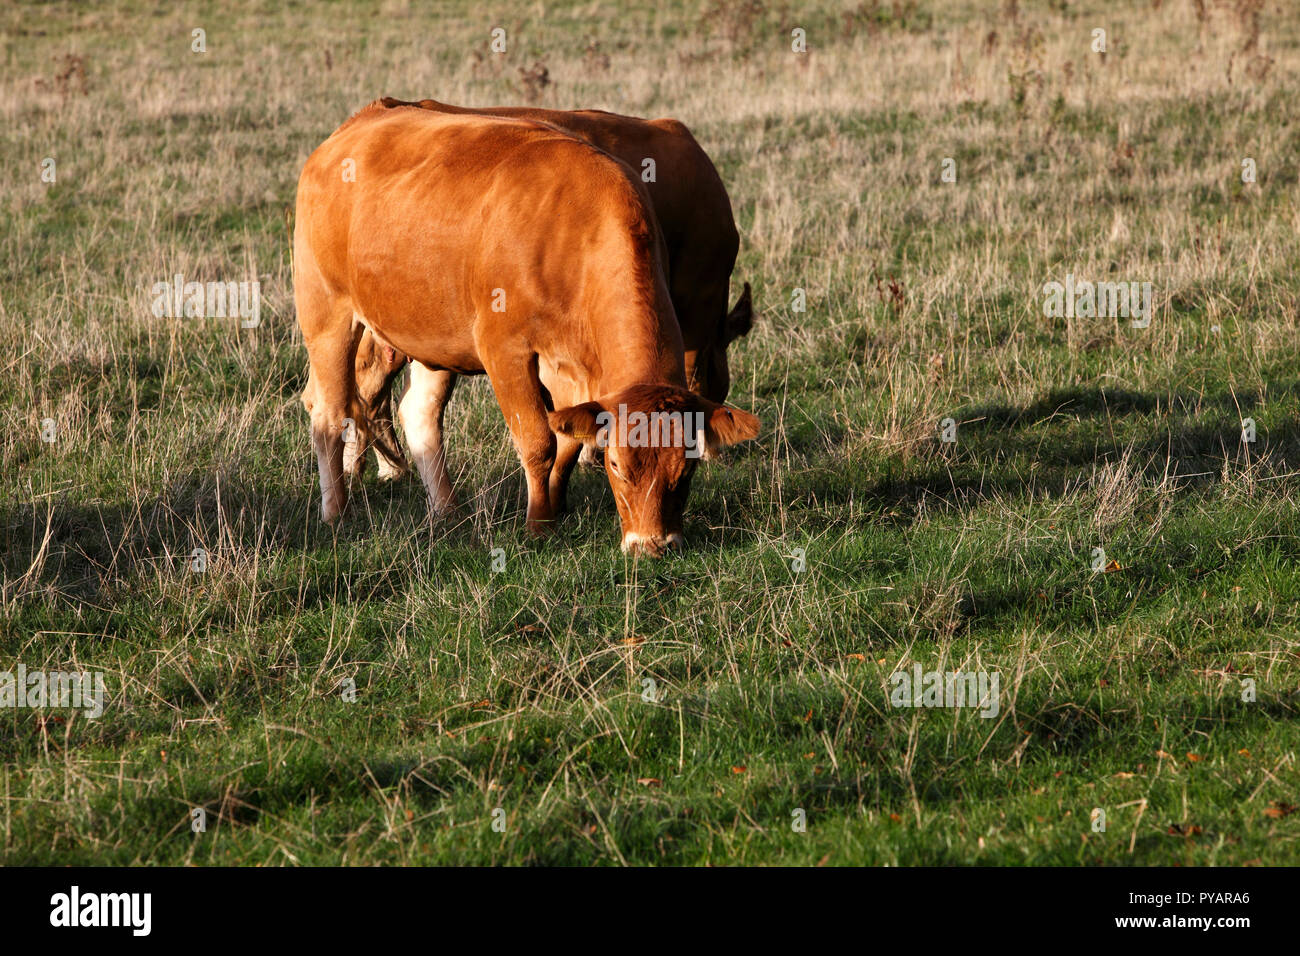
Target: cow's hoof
441, 507
541, 527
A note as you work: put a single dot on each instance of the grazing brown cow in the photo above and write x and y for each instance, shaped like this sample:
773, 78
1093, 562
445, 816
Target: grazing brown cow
694, 214
479, 244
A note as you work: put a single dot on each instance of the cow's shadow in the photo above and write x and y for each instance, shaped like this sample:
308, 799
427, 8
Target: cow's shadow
80, 548
87, 551
1000, 452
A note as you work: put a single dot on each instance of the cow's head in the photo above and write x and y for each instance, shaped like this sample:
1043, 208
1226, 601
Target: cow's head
376, 365
374, 368
653, 437
711, 374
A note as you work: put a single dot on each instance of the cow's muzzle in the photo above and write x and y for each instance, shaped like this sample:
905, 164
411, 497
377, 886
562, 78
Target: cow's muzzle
652, 546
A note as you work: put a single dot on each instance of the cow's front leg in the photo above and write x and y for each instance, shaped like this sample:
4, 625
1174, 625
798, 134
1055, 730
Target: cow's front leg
538, 458
519, 393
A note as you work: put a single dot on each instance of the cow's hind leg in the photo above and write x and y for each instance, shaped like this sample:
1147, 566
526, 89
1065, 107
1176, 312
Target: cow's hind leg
327, 329
421, 411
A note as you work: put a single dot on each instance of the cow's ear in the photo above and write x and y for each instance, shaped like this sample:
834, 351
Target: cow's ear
728, 426
741, 318
578, 421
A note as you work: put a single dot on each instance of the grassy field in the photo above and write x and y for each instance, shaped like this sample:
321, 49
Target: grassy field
504, 717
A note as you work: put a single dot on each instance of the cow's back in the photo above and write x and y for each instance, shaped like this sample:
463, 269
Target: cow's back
689, 197
449, 215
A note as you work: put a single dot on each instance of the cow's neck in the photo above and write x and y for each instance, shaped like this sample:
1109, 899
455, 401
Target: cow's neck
639, 347
620, 368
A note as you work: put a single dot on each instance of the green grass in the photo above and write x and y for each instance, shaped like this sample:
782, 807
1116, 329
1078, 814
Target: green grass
525, 690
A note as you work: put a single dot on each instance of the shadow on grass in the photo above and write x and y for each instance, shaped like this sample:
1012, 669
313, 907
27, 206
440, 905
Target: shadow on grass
1002, 453
1054, 443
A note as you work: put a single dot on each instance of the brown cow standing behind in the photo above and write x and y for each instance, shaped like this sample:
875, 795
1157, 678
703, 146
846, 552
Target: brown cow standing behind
694, 213
476, 244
